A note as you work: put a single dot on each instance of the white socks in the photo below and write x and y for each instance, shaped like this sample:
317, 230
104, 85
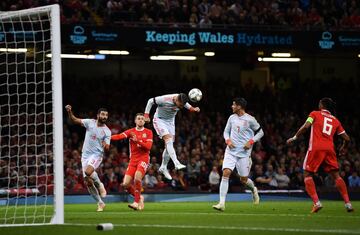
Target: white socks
165, 159
224, 186
94, 193
250, 185
171, 151
96, 179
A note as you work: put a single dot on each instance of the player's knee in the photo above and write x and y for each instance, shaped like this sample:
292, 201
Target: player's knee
88, 172
308, 174
226, 173
89, 181
167, 138
334, 174
125, 185
243, 179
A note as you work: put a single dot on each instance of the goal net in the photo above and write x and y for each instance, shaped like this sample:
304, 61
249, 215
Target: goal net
31, 165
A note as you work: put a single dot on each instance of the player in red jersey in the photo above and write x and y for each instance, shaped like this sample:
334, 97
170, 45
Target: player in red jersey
321, 150
141, 140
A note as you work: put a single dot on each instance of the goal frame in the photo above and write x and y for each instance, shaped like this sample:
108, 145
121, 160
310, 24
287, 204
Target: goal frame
56, 77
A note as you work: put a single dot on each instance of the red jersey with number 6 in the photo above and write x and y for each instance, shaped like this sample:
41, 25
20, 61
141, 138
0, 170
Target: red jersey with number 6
324, 126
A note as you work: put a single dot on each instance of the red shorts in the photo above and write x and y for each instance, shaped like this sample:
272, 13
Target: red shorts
137, 165
315, 158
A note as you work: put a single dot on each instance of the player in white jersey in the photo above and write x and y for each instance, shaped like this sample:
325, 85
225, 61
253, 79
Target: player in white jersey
164, 125
241, 132
97, 140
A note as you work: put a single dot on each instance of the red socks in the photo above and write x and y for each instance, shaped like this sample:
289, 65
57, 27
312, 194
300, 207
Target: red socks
131, 190
341, 186
137, 190
310, 188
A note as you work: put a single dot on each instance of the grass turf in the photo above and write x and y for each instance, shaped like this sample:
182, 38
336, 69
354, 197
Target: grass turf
197, 218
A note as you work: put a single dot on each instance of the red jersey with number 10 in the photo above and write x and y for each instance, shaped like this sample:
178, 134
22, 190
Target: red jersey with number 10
324, 126
140, 148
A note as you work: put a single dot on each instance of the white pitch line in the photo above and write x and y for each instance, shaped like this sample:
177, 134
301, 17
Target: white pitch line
219, 214
336, 231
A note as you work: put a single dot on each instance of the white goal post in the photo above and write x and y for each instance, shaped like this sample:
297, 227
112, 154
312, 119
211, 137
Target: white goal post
31, 118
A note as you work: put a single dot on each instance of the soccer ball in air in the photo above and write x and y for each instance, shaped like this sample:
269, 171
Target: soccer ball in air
195, 95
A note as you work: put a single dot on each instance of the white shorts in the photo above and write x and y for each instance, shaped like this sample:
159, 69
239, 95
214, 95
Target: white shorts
93, 161
242, 164
163, 127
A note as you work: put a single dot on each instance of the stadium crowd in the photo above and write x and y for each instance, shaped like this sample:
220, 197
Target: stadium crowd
333, 14
199, 142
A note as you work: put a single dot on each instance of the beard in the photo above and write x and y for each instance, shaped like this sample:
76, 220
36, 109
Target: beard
102, 120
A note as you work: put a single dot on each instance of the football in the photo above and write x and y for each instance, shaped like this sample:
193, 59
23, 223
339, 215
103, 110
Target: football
195, 95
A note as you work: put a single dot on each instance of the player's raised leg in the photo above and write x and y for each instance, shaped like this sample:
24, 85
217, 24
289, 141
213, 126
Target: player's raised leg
163, 168
243, 167
169, 146
251, 186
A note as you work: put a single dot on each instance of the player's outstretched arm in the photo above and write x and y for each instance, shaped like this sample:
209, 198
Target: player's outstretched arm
120, 136
301, 131
72, 117
346, 141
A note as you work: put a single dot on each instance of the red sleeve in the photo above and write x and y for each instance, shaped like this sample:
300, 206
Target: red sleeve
121, 136
312, 114
147, 143
340, 130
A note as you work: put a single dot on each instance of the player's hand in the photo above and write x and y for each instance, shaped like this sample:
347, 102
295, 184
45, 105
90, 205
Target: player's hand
103, 144
133, 137
342, 151
196, 109
290, 140
147, 119
68, 108
230, 144
247, 145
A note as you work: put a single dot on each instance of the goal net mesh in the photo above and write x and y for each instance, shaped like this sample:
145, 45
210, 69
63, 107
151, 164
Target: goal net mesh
26, 117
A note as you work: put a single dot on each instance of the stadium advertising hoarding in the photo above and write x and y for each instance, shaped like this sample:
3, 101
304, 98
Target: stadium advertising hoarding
117, 37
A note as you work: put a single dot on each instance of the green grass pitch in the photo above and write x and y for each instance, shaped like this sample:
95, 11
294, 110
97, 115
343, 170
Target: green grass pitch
197, 218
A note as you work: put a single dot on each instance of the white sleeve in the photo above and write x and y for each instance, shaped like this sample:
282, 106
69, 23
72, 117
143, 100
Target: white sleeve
227, 130
86, 122
158, 100
187, 105
107, 137
255, 126
149, 105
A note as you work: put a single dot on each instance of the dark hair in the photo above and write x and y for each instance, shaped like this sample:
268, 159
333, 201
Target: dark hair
102, 110
240, 101
328, 104
183, 98
138, 114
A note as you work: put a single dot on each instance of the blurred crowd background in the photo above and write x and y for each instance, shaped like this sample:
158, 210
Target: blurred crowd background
295, 14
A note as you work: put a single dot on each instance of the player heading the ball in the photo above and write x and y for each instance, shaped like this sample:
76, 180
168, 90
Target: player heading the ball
164, 125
